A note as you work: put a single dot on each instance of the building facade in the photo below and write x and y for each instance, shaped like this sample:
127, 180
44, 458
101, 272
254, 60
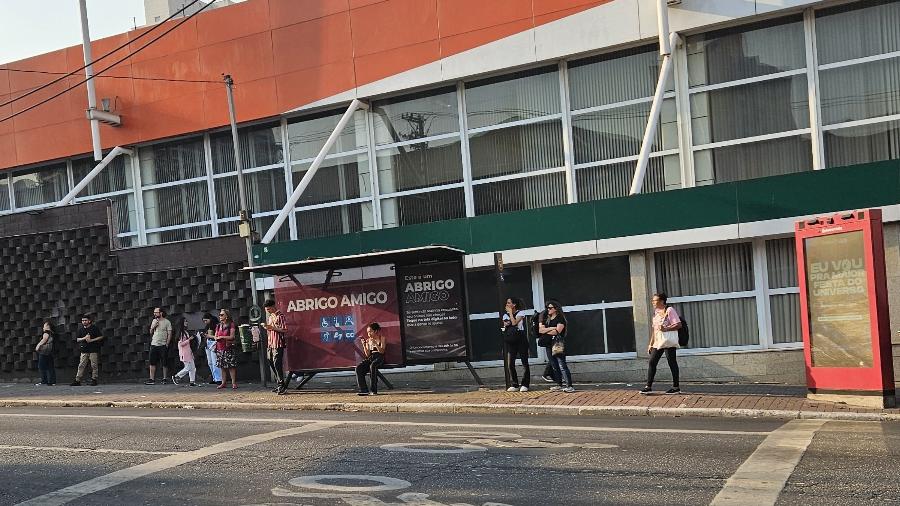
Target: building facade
509, 126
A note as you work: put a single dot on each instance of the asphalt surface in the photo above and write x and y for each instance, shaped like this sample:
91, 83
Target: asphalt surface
210, 457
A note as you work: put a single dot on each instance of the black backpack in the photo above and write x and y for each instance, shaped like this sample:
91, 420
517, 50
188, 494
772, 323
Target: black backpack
683, 333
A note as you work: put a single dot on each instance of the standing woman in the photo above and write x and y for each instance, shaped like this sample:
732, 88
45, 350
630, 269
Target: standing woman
663, 339
555, 326
516, 340
44, 351
225, 356
186, 355
209, 344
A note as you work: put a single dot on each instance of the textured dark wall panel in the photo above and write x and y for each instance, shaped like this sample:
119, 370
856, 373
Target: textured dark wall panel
60, 274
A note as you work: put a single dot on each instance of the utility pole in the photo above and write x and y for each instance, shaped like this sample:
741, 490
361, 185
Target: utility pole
245, 228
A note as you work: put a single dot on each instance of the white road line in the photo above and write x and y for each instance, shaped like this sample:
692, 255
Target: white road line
405, 424
84, 450
82, 489
760, 479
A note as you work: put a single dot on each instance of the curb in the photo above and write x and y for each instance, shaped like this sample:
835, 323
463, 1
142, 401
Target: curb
462, 408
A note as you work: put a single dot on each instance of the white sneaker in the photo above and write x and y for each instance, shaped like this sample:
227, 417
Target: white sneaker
523, 389
512, 389
568, 390
555, 388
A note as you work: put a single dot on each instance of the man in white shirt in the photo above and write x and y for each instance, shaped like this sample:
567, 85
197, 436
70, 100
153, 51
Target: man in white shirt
160, 338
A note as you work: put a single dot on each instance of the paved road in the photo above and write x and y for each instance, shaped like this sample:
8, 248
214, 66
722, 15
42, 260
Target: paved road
133, 457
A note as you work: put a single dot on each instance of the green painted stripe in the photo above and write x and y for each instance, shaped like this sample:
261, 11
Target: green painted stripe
837, 189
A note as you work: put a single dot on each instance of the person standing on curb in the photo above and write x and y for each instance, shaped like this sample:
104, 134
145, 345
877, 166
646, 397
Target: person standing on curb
226, 359
663, 339
515, 342
186, 355
209, 345
89, 339
160, 339
544, 342
44, 350
555, 327
373, 346
275, 327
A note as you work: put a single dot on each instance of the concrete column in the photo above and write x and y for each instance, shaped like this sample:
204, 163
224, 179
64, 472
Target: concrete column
640, 295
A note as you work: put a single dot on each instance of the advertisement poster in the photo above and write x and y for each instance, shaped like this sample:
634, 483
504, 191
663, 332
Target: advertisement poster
432, 311
326, 316
840, 326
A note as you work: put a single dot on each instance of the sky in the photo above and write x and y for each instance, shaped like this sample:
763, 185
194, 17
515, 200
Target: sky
32, 27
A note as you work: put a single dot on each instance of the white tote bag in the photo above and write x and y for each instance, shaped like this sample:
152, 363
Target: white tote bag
670, 339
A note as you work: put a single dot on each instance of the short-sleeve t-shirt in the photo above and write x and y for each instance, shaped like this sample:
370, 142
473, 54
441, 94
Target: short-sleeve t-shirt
553, 322
519, 314
92, 331
161, 333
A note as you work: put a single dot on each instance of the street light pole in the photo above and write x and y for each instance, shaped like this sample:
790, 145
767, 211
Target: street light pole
245, 227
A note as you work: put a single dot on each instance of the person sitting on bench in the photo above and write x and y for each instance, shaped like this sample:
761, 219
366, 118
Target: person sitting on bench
373, 348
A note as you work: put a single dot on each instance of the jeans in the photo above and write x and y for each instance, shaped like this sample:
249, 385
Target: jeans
48, 371
560, 370
94, 359
549, 371
190, 369
655, 355
211, 360
520, 351
370, 365
275, 357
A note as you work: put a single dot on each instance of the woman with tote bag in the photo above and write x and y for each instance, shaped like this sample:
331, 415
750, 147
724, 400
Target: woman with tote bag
663, 339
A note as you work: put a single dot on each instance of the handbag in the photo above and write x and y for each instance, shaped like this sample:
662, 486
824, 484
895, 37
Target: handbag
544, 341
512, 335
670, 339
559, 348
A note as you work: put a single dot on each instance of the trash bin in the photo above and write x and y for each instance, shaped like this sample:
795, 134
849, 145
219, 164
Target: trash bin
246, 338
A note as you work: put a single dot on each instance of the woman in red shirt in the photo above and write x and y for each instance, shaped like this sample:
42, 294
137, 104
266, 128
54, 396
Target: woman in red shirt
225, 356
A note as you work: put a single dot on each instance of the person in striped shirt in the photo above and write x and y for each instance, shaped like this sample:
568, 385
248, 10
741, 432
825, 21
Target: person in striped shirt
276, 328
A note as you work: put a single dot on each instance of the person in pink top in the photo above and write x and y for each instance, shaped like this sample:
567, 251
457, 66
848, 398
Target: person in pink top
226, 359
663, 339
186, 355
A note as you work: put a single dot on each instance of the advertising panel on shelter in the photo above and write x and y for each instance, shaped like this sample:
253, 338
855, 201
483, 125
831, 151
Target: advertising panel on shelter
327, 311
433, 312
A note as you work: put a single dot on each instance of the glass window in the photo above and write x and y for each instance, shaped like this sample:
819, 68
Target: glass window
172, 161
307, 135
335, 220
514, 97
758, 159
181, 234
860, 91
781, 261
614, 180
176, 205
343, 178
599, 331
721, 317
864, 144
260, 226
261, 145
481, 286
746, 51
114, 177
517, 149
41, 185
617, 133
857, 30
777, 105
588, 281
613, 78
125, 213
413, 166
423, 208
4, 193
785, 310
265, 192
416, 116
522, 193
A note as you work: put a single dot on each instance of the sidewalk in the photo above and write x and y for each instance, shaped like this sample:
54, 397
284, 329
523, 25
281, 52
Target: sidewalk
333, 394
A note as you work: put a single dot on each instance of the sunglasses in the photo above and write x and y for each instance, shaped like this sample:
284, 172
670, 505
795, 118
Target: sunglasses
551, 307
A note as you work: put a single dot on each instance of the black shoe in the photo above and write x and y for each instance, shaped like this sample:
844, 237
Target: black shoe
165, 381
150, 382
673, 391
93, 382
373, 393
75, 383
281, 390
548, 379
362, 393
646, 390
174, 380
193, 384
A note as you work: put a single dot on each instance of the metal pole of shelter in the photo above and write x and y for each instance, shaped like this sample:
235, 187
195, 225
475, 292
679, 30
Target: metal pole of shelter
93, 173
245, 224
89, 75
311, 171
666, 42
